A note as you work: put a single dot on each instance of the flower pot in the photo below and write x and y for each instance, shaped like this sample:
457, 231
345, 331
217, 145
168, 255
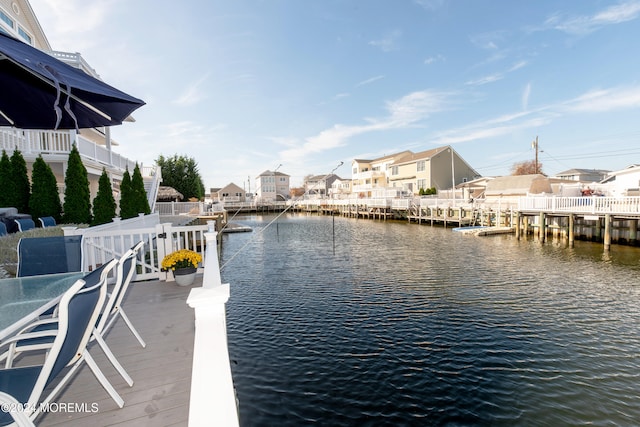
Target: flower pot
184, 276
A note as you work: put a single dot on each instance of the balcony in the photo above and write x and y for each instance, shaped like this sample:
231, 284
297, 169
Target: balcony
58, 144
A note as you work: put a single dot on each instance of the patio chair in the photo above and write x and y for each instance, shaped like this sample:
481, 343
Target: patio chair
47, 221
124, 273
25, 224
9, 402
22, 342
79, 309
49, 255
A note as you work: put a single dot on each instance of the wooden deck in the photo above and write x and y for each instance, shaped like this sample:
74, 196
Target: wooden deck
161, 371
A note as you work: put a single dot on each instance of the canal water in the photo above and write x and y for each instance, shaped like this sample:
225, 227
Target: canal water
342, 322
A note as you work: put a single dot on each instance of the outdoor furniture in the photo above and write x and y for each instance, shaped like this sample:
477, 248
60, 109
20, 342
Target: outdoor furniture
24, 299
124, 273
25, 224
49, 255
9, 402
47, 221
23, 342
79, 309
3, 229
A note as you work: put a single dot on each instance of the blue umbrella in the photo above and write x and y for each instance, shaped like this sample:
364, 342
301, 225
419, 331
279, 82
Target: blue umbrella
37, 91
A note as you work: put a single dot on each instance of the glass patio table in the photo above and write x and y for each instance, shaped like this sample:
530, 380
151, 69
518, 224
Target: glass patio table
23, 299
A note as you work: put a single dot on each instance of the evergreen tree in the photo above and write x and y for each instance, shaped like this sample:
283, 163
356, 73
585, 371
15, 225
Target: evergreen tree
77, 198
21, 185
139, 193
6, 183
104, 205
127, 209
181, 173
44, 200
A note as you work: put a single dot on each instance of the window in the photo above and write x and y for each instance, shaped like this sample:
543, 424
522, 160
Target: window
420, 166
24, 35
422, 184
5, 18
394, 170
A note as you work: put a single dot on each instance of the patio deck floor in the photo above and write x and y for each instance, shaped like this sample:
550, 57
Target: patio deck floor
161, 371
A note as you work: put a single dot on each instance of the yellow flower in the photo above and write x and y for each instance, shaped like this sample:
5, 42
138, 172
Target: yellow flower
184, 258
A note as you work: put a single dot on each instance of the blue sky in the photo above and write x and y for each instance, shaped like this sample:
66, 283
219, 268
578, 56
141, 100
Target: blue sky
243, 86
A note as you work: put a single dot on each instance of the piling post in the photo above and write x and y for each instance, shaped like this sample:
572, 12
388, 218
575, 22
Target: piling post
607, 232
543, 227
571, 230
518, 230
633, 230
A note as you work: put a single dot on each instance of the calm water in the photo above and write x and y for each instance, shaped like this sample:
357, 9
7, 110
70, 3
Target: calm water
406, 324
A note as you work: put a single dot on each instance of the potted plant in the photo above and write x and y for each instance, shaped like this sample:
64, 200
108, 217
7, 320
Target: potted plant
184, 264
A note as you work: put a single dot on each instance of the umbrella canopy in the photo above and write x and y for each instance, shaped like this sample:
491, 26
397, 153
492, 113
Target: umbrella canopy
37, 91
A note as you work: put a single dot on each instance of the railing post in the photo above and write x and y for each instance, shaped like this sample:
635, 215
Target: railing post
165, 246
212, 391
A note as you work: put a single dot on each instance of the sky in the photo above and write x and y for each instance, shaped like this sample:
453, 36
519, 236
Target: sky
245, 86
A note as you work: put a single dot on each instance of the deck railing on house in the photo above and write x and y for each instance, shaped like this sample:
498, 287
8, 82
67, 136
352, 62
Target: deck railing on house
34, 142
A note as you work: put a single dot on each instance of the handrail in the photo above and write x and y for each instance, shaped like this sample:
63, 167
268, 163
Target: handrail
212, 390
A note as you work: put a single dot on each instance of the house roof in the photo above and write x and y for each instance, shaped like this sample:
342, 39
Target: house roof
577, 171
518, 185
272, 173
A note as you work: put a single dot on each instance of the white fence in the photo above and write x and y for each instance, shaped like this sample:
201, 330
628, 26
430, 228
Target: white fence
108, 241
590, 205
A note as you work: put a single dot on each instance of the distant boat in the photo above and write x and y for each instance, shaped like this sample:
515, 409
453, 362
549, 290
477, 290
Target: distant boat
481, 230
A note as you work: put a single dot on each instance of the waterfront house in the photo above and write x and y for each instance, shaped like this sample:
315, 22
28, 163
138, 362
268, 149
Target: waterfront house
95, 145
319, 185
505, 191
230, 193
625, 182
440, 168
272, 186
340, 188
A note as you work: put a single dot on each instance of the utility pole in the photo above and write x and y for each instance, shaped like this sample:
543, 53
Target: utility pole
534, 144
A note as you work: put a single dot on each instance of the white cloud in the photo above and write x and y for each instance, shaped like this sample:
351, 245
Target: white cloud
193, 93
581, 25
432, 59
402, 113
388, 42
369, 81
596, 101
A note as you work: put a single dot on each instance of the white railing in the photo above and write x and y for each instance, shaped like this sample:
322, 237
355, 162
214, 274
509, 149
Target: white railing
180, 208
107, 241
589, 205
34, 142
212, 392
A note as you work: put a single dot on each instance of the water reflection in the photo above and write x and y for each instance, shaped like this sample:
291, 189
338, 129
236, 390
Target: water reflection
409, 324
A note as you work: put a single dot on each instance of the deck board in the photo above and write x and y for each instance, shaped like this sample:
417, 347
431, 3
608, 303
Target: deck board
161, 371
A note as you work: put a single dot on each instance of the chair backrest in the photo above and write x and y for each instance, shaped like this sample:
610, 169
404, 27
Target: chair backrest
78, 312
3, 229
49, 255
47, 221
124, 273
25, 224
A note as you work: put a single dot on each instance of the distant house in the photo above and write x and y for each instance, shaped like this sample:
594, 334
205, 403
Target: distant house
625, 182
272, 186
229, 193
340, 188
319, 185
440, 168
505, 190
583, 175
